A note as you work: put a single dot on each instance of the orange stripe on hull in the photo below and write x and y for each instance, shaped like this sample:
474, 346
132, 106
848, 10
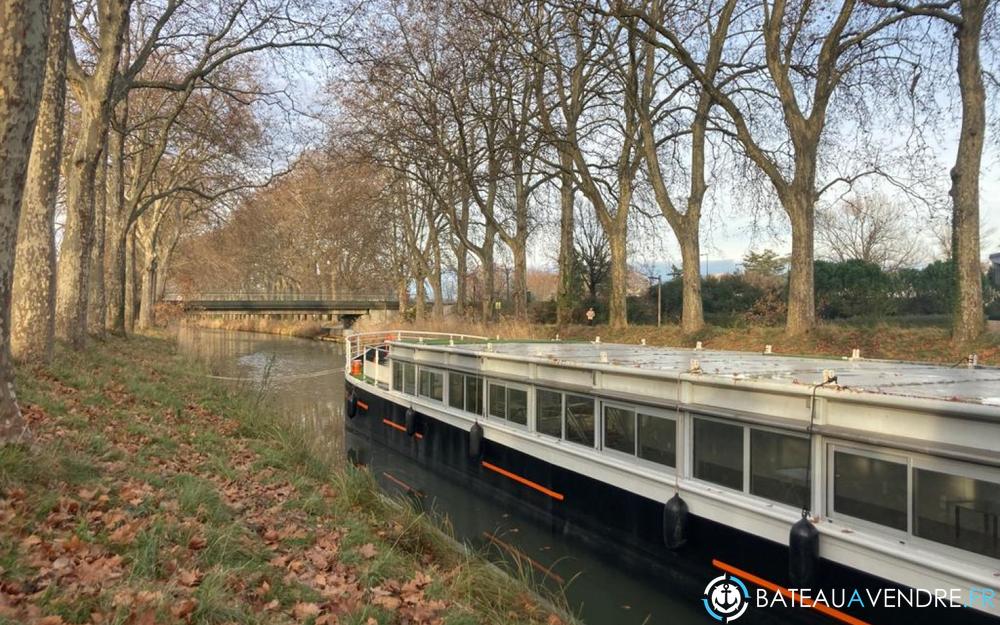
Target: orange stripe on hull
763, 583
521, 480
400, 428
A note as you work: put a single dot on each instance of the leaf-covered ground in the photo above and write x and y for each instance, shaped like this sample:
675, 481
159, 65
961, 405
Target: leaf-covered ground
152, 496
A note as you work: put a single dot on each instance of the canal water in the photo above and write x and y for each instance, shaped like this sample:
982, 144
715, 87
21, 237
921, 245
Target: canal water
303, 380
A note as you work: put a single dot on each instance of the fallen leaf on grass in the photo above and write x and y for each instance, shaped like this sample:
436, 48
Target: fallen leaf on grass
189, 578
184, 608
301, 611
367, 551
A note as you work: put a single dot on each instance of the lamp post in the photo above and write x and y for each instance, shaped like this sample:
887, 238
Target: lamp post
659, 298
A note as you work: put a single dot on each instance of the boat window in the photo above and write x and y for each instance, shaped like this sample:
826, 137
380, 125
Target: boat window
404, 377
959, 511
474, 394
779, 464
718, 453
548, 412
619, 429
658, 439
397, 376
432, 384
498, 401
517, 406
580, 419
456, 390
509, 403
870, 489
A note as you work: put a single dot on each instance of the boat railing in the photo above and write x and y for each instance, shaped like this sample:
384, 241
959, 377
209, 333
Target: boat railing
358, 344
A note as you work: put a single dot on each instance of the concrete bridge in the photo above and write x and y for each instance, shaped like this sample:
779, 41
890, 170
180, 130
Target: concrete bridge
345, 308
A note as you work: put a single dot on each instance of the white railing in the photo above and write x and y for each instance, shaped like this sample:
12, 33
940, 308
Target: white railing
357, 344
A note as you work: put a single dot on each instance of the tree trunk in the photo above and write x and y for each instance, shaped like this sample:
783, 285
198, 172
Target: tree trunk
520, 254
461, 268
130, 281
94, 94
421, 300
436, 281
74, 255
98, 304
564, 294
147, 298
34, 291
801, 292
402, 294
23, 42
117, 228
692, 317
969, 321
518, 250
489, 277
618, 301
462, 261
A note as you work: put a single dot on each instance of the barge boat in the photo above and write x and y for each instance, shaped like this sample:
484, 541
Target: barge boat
794, 473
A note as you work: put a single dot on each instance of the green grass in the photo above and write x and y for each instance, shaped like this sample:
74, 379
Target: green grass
211, 497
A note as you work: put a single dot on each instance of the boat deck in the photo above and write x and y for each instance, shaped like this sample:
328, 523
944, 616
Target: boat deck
977, 385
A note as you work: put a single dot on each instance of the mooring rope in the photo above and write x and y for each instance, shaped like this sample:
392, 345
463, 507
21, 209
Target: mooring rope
297, 376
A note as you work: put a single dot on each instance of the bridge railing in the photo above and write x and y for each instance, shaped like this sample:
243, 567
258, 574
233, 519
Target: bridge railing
280, 297
356, 345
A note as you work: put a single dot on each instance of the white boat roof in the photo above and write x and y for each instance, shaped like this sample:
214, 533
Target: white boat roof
978, 385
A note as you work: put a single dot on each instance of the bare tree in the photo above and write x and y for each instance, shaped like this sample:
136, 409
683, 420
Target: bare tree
667, 115
32, 314
871, 228
591, 253
23, 42
967, 19
593, 74
92, 84
800, 63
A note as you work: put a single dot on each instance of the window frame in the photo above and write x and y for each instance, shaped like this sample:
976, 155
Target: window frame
444, 384
402, 365
957, 468
447, 394
529, 400
598, 420
894, 456
466, 377
617, 453
688, 459
748, 452
745, 464
677, 419
562, 413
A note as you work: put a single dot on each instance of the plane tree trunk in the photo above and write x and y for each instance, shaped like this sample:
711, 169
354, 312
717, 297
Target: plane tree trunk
32, 315
23, 42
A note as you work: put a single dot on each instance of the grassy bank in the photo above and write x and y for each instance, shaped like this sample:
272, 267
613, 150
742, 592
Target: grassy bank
152, 495
284, 327
894, 341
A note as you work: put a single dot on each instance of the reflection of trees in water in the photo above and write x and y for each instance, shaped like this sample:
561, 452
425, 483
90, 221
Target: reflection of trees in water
296, 379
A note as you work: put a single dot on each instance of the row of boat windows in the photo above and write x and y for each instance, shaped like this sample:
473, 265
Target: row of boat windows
955, 510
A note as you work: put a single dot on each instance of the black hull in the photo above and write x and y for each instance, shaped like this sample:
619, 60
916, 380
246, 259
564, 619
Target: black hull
619, 525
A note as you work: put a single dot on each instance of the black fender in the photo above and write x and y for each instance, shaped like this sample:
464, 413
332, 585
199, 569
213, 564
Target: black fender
411, 421
675, 522
803, 553
351, 407
475, 442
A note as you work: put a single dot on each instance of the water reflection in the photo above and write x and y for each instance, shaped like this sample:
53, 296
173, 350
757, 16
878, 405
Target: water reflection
300, 379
